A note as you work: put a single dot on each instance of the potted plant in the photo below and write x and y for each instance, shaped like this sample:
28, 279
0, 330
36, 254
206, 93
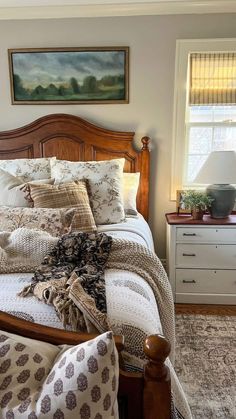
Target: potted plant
196, 202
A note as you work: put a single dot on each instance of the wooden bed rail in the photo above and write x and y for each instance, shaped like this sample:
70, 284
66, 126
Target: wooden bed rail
48, 334
141, 395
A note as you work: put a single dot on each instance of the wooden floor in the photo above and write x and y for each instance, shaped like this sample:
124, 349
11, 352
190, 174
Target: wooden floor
213, 309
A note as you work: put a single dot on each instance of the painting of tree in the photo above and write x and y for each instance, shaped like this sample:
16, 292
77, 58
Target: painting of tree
69, 75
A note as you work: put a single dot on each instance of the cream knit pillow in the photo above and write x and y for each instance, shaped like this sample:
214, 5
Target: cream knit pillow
23, 249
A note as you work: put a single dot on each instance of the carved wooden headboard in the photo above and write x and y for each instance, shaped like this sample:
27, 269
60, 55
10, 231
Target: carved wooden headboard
69, 137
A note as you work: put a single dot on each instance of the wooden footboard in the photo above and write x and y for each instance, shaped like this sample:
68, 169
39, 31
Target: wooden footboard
141, 396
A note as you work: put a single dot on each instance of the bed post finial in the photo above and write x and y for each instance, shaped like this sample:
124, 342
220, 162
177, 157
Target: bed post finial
145, 141
157, 385
144, 168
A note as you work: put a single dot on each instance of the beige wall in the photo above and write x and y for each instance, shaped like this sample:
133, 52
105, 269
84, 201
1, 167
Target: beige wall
152, 60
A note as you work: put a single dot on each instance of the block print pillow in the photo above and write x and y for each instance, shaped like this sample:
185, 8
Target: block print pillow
54, 221
28, 169
80, 383
106, 185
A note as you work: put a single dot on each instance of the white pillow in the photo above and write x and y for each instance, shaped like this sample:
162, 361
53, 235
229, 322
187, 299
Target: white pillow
130, 189
11, 186
28, 169
106, 185
38, 381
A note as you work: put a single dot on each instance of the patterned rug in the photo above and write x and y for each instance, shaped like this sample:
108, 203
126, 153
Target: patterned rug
206, 364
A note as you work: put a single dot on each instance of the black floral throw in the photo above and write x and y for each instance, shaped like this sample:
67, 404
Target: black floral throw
85, 254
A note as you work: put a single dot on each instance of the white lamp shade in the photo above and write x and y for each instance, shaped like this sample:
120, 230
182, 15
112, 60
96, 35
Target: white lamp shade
219, 168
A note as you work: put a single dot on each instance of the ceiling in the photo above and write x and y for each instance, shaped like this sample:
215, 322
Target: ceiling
46, 9
23, 3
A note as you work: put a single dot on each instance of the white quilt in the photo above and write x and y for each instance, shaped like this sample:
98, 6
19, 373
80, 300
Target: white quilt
134, 297
135, 229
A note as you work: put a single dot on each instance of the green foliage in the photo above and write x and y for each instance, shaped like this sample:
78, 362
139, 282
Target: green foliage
107, 80
194, 199
20, 91
51, 89
107, 88
38, 93
75, 85
62, 91
90, 84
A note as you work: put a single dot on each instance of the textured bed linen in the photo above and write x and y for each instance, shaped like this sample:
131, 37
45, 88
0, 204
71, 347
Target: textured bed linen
135, 229
126, 292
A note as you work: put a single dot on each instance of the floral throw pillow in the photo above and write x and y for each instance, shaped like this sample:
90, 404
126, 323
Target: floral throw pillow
106, 185
38, 382
53, 220
28, 169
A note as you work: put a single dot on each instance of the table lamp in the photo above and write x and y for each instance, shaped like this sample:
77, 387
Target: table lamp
219, 171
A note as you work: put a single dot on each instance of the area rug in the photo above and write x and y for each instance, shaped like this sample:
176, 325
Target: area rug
206, 364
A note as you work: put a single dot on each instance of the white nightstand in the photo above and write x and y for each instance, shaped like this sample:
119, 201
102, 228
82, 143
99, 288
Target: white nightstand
201, 259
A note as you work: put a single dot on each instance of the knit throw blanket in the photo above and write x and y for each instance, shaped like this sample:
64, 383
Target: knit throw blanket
71, 278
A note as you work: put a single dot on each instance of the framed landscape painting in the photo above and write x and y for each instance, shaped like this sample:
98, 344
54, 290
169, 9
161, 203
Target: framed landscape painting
69, 75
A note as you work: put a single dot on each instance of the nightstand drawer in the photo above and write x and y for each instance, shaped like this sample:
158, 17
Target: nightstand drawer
196, 234
201, 259
204, 281
221, 256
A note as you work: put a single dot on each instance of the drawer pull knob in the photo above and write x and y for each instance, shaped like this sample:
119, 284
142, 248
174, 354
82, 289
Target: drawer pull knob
190, 281
189, 234
189, 254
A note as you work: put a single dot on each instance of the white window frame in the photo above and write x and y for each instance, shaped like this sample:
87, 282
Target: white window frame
183, 49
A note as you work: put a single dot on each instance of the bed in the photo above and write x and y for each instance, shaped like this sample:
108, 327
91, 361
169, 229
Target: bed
145, 394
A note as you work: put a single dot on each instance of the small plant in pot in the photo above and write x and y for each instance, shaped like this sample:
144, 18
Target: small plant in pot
196, 202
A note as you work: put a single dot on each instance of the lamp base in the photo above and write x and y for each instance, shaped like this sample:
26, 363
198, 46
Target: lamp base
224, 200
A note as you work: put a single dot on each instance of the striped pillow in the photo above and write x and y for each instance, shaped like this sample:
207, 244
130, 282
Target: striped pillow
66, 195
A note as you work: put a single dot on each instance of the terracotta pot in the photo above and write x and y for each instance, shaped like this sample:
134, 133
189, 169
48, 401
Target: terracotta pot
197, 214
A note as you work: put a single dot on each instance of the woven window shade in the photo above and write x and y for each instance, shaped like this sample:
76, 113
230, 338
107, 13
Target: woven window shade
212, 79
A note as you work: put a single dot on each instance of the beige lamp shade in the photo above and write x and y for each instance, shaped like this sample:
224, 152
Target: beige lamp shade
219, 168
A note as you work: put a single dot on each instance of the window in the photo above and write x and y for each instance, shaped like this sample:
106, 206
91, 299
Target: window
205, 106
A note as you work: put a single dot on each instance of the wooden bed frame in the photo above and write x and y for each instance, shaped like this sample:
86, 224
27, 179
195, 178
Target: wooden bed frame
72, 138
144, 395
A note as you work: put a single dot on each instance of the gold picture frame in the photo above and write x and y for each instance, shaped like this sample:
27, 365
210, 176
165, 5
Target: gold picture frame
85, 75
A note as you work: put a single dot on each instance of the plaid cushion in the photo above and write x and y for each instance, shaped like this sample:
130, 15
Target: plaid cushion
66, 195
